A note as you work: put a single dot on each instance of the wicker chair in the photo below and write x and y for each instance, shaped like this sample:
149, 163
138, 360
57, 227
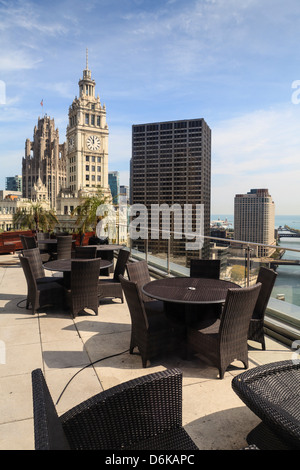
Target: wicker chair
85, 252
28, 242
42, 236
224, 340
35, 260
64, 247
139, 273
208, 268
83, 292
272, 392
151, 332
40, 294
141, 414
267, 278
111, 288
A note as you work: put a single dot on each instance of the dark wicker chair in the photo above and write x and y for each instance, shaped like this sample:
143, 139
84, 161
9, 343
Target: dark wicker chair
139, 273
208, 268
84, 285
40, 294
224, 340
267, 278
64, 247
85, 252
35, 260
42, 236
28, 242
151, 332
111, 288
272, 392
141, 414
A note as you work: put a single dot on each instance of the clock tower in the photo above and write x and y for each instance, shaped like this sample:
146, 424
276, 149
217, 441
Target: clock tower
87, 140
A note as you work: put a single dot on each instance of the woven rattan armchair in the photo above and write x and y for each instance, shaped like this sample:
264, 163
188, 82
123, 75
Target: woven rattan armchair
84, 285
267, 278
139, 273
151, 331
36, 264
111, 288
40, 294
64, 247
143, 413
85, 252
208, 268
28, 242
272, 392
224, 340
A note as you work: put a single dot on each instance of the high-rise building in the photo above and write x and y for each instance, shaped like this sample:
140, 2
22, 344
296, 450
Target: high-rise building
44, 166
254, 219
87, 139
13, 183
171, 164
114, 184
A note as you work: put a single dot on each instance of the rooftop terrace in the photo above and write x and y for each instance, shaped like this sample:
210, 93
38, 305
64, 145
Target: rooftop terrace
61, 346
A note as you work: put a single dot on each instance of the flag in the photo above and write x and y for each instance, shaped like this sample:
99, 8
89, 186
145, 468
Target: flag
42, 103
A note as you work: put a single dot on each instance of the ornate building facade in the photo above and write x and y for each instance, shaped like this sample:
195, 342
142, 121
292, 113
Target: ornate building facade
87, 140
44, 167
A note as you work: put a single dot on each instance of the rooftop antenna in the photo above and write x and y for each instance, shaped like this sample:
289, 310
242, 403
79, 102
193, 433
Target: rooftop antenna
87, 59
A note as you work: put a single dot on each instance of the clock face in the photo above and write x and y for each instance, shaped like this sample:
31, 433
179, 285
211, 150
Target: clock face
93, 142
71, 143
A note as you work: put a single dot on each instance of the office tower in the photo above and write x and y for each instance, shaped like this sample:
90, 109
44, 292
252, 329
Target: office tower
44, 165
13, 183
124, 192
87, 139
254, 219
171, 164
114, 184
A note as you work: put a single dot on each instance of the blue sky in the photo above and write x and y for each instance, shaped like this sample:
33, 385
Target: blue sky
232, 62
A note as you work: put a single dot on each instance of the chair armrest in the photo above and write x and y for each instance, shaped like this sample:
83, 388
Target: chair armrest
127, 413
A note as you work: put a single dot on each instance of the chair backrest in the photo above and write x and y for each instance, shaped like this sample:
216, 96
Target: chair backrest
121, 264
28, 242
267, 278
84, 277
207, 268
85, 252
34, 257
237, 313
42, 235
139, 273
48, 430
30, 279
64, 247
135, 304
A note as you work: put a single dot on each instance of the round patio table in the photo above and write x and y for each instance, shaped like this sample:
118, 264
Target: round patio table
64, 265
187, 290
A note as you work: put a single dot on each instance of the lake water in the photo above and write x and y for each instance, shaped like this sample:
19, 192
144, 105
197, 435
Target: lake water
288, 279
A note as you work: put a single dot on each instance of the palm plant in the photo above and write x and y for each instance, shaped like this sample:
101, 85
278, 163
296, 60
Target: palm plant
35, 217
86, 212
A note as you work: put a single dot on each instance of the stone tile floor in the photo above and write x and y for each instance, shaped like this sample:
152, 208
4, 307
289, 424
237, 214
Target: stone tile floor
61, 346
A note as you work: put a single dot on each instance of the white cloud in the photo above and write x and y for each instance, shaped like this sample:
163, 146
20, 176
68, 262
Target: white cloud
257, 150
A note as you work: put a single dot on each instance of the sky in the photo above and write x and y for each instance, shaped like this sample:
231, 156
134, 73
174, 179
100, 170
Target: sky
235, 63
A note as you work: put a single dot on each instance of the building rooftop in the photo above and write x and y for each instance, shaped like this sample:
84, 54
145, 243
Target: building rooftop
62, 347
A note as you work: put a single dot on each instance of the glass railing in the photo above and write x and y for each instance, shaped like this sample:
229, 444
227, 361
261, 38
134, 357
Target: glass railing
240, 263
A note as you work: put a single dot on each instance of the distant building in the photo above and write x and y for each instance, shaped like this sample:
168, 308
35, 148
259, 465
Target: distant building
124, 192
87, 140
13, 183
114, 184
254, 219
171, 164
44, 167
